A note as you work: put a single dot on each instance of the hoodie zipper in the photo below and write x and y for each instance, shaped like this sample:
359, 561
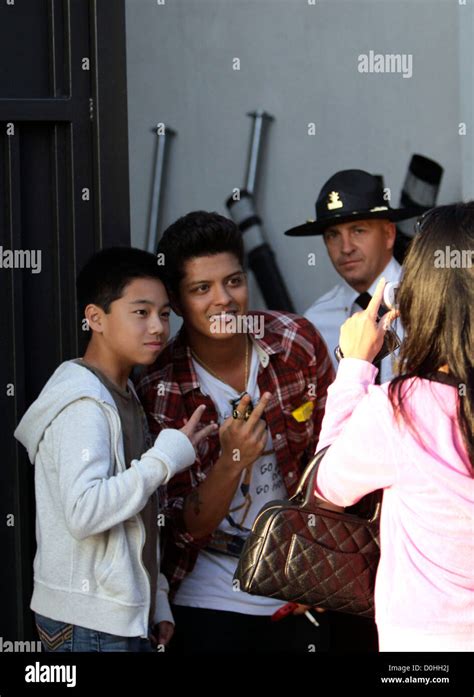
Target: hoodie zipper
140, 559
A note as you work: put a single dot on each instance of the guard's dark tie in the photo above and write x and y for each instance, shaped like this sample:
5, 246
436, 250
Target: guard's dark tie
362, 301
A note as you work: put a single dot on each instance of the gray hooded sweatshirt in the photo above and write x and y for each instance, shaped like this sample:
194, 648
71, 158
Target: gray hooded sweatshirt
88, 567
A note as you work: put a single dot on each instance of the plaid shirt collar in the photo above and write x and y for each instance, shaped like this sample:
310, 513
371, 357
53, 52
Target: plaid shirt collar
183, 367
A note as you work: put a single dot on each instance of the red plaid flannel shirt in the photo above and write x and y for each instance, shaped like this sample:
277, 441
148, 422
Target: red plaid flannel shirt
294, 367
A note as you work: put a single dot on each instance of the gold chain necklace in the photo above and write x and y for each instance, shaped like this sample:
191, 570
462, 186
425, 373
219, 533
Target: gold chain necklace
204, 365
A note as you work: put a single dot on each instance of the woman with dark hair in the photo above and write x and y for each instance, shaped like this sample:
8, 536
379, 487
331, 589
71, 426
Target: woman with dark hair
413, 438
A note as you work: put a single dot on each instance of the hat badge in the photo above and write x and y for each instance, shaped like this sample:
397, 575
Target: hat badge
334, 201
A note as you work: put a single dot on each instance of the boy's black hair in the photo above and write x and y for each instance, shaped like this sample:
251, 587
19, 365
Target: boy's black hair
103, 278
197, 234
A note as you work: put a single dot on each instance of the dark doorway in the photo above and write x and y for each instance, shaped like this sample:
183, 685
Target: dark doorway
64, 193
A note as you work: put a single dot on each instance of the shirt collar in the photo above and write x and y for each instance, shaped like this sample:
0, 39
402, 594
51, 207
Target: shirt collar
391, 273
183, 367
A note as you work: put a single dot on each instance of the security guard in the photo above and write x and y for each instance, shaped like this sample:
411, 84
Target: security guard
358, 227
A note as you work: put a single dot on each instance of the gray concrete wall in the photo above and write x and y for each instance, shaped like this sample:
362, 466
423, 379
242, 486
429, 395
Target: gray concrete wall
299, 62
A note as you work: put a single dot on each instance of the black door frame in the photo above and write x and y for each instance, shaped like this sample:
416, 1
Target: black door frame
85, 147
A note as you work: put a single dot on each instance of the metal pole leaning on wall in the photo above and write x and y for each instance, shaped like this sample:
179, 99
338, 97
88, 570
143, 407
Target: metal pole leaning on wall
241, 205
163, 134
261, 121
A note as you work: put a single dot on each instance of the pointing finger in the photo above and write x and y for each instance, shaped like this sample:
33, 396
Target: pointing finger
375, 301
196, 416
259, 409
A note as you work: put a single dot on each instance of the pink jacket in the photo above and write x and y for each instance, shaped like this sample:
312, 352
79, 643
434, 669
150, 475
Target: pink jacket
425, 580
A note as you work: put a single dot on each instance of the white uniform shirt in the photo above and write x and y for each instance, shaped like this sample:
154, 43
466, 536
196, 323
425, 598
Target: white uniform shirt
331, 310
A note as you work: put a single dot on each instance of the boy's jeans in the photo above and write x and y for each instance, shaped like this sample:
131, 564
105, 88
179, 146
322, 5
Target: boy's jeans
60, 636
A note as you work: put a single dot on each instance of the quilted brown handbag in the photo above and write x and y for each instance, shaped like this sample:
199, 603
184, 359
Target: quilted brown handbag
302, 551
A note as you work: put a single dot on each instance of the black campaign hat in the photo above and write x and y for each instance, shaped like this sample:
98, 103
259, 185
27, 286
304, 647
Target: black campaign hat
351, 195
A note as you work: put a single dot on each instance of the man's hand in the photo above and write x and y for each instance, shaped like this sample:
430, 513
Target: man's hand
190, 429
361, 335
301, 609
243, 441
161, 634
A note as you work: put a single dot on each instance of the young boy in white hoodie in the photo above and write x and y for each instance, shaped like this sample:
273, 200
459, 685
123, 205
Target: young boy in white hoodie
97, 585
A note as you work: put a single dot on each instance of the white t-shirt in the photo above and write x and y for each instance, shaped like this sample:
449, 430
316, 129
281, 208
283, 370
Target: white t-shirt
210, 583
